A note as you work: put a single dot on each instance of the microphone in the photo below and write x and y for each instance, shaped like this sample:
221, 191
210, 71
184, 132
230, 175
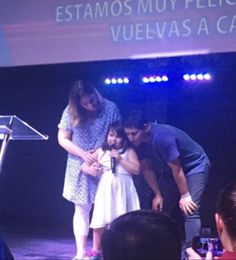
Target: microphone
113, 160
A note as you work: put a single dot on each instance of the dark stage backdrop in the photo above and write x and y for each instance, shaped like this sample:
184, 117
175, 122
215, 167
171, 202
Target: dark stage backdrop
32, 177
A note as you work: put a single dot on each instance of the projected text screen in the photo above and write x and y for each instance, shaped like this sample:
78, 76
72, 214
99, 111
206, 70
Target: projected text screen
59, 31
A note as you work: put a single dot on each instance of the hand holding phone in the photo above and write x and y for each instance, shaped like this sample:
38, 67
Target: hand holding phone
204, 244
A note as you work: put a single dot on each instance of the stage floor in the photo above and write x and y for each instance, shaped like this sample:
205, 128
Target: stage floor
33, 243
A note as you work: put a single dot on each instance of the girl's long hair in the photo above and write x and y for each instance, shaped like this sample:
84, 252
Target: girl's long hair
78, 90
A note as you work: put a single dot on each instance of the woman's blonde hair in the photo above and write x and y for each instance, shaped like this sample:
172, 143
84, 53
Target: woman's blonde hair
78, 90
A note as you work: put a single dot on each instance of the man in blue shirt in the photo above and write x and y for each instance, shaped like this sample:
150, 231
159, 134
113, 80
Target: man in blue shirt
177, 157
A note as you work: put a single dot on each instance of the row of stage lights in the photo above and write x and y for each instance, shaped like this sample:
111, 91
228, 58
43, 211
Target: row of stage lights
157, 79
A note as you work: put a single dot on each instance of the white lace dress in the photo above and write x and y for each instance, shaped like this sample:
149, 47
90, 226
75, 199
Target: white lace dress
116, 193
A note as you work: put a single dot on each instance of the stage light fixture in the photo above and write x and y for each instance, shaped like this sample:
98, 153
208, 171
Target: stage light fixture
186, 77
145, 79
126, 80
158, 78
193, 77
107, 81
207, 76
114, 81
200, 76
120, 81
154, 78
164, 78
197, 77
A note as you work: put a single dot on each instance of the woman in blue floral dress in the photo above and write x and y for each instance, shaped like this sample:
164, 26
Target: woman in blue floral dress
82, 129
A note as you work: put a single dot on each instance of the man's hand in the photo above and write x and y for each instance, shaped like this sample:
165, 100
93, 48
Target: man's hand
157, 202
187, 205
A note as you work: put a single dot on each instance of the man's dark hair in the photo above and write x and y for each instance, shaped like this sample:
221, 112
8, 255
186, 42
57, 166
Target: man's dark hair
135, 119
142, 234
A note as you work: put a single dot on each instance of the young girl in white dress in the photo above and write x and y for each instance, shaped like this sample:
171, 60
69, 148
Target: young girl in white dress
116, 193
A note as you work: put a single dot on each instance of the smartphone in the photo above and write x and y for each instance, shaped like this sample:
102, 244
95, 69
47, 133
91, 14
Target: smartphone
203, 244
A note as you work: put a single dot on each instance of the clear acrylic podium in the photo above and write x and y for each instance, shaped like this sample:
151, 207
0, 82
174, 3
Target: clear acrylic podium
13, 128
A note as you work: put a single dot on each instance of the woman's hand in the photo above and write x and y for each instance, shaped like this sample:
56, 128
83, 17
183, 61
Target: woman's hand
94, 169
192, 255
89, 157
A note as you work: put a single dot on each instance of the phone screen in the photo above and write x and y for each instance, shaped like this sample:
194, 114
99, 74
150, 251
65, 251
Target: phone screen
202, 244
